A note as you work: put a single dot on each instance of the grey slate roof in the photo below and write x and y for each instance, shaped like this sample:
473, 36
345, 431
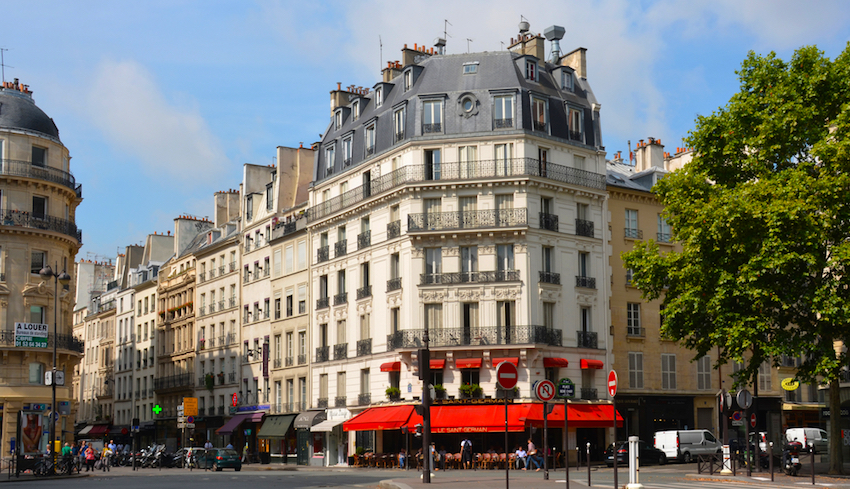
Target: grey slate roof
18, 111
622, 175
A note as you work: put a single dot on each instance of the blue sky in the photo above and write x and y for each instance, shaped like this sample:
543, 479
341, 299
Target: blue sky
161, 102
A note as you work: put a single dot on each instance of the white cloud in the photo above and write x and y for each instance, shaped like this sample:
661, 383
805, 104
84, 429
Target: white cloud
169, 141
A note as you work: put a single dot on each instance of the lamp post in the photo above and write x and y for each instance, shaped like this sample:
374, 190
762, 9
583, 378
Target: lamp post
46, 273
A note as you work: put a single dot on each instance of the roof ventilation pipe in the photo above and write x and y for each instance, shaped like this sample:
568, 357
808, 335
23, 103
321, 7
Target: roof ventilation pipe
555, 33
440, 44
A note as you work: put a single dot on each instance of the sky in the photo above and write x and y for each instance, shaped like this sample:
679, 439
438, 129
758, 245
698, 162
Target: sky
160, 103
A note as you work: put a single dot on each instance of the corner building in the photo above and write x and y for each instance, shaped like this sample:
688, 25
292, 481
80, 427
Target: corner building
464, 194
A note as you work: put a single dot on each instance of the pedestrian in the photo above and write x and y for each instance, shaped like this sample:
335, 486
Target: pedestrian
245, 454
466, 453
401, 458
442, 455
106, 458
208, 445
521, 457
229, 446
78, 453
67, 458
90, 458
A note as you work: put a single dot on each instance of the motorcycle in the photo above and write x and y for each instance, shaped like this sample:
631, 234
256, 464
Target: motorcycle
791, 458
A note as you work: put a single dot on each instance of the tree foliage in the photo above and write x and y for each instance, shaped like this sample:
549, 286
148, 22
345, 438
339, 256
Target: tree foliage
762, 214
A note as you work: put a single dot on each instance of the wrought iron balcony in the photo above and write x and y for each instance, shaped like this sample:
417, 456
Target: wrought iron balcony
10, 217
577, 136
393, 284
540, 126
340, 248
364, 292
635, 331
584, 228
370, 150
289, 361
323, 302
503, 123
589, 394
231, 338
364, 399
173, 381
549, 221
398, 136
586, 339
394, 229
212, 307
302, 359
323, 254
212, 273
233, 266
586, 282
278, 363
346, 161
469, 277
632, 233
364, 239
364, 347
663, 237
550, 278
202, 277
340, 401
494, 218
341, 299
430, 128
323, 354
485, 335
341, 351
26, 169
63, 341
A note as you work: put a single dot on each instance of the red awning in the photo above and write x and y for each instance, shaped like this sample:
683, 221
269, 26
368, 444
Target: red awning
438, 364
468, 363
587, 363
232, 424
483, 418
391, 367
99, 429
581, 416
513, 360
555, 363
380, 418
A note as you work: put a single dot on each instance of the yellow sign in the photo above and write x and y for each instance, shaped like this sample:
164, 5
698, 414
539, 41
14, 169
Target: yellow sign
190, 406
789, 384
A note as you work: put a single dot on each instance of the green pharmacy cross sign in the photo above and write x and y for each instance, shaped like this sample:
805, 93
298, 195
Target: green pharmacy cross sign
157, 409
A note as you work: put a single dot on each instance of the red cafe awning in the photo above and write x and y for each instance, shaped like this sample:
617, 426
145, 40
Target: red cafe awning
99, 429
391, 367
587, 363
580, 416
380, 418
483, 418
513, 360
555, 363
438, 364
468, 363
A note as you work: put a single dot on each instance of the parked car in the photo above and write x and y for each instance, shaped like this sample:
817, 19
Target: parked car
222, 458
647, 453
687, 445
810, 438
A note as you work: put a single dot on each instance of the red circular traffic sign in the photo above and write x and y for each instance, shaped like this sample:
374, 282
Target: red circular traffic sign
753, 420
506, 375
545, 390
612, 383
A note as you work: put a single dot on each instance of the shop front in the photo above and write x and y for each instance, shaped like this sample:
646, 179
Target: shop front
278, 442
336, 448
241, 432
311, 447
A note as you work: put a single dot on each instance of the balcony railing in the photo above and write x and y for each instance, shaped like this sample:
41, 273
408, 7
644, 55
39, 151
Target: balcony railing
322, 402
494, 218
487, 335
663, 237
231, 338
364, 347
550, 278
202, 277
398, 136
539, 126
586, 282
231, 377
636, 331
584, 228
173, 381
323, 302
341, 299
589, 394
323, 254
340, 401
19, 168
278, 363
364, 239
577, 136
370, 150
586, 339
341, 351
289, 361
393, 284
394, 229
549, 221
469, 277
64, 342
364, 399
510, 167
323, 354
10, 217
340, 248
503, 123
302, 359
434, 127
212, 273
632, 233
364, 292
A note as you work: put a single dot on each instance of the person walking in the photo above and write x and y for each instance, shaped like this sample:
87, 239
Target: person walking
90, 458
106, 458
67, 459
466, 453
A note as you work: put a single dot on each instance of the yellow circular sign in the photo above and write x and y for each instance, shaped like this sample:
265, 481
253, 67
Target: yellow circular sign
789, 384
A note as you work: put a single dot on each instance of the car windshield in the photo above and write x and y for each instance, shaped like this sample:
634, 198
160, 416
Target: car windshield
228, 452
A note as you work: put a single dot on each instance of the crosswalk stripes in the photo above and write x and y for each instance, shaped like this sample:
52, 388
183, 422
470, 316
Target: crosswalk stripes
692, 484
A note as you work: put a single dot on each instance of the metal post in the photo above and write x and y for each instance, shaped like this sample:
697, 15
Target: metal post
566, 445
47, 273
813, 462
734, 466
588, 464
747, 451
426, 408
578, 457
545, 441
770, 461
507, 471
614, 450
634, 464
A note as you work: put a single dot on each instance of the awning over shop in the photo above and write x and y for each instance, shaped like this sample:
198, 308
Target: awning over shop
276, 426
391, 367
308, 419
438, 364
380, 418
237, 420
99, 430
588, 363
119, 430
327, 425
85, 431
483, 418
468, 363
555, 363
513, 360
580, 416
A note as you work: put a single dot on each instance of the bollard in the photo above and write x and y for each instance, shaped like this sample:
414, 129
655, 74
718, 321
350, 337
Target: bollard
711, 465
588, 464
734, 466
634, 464
813, 464
770, 461
578, 458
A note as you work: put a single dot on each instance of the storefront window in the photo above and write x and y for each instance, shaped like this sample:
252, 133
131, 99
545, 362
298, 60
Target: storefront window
318, 447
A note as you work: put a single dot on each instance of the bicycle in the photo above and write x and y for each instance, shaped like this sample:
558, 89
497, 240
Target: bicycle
43, 467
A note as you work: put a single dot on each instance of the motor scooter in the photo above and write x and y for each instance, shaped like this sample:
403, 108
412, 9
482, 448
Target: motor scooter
791, 458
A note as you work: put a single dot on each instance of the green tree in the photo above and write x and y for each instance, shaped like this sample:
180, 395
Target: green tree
762, 214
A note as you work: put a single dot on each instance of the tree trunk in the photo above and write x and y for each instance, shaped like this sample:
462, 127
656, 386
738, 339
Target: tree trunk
836, 460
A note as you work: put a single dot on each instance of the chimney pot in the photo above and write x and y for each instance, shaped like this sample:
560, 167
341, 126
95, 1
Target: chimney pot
339, 85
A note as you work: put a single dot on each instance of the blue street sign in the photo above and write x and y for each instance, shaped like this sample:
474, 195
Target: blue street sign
566, 389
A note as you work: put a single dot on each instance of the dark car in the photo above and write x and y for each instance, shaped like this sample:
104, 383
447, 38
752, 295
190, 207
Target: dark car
648, 454
221, 458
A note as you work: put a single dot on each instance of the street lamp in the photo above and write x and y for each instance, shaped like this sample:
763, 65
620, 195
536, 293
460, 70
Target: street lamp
46, 273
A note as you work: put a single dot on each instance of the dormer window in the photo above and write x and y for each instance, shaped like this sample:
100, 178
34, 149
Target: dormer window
575, 122
398, 125
539, 115
567, 81
329, 160
379, 96
408, 80
355, 110
470, 68
370, 139
531, 70
346, 151
338, 119
432, 116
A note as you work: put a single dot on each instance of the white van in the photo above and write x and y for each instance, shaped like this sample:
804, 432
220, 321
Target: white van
686, 445
809, 437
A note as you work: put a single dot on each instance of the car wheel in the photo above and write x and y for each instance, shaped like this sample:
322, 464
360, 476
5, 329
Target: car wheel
662, 459
687, 458
238, 469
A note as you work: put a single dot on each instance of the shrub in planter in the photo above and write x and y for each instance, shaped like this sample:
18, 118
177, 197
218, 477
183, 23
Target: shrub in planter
393, 393
470, 390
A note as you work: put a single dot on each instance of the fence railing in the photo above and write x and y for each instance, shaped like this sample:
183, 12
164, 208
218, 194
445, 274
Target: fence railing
437, 221
20, 168
10, 217
488, 335
469, 277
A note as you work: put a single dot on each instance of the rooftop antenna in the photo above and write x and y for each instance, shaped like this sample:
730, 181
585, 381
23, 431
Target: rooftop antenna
468, 40
3, 64
381, 50
502, 45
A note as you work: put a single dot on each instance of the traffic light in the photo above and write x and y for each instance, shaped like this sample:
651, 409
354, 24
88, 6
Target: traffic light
424, 359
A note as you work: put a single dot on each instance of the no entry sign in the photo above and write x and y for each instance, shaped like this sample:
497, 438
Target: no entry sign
506, 375
612, 383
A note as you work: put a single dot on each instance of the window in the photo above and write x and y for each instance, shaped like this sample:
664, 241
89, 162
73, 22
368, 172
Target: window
575, 124
583, 264
538, 114
585, 319
470, 68
395, 319
467, 156
633, 319
379, 96
630, 275
340, 384
269, 201
323, 335
398, 125
432, 116
636, 370
504, 257
504, 159
340, 332
340, 282
668, 371
764, 377
338, 119
567, 80
395, 265
408, 80
249, 209
277, 307
530, 70
346, 151
503, 111
578, 162
631, 229
302, 299
36, 373
329, 160
302, 343
547, 258
365, 322
355, 110
364, 381
39, 207
370, 139
433, 264
364, 275
301, 253
704, 373
468, 263
433, 316
432, 164
470, 376
663, 230
288, 259
39, 156
549, 315
38, 261
323, 287
323, 386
